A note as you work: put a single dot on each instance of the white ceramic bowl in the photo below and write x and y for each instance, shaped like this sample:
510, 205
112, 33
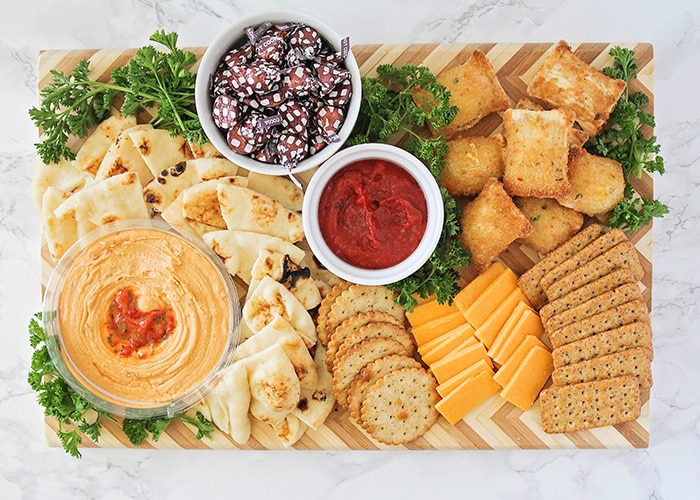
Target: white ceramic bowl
234, 36
311, 215
73, 368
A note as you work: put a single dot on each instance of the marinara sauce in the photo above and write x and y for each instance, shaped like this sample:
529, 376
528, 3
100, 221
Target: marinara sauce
372, 214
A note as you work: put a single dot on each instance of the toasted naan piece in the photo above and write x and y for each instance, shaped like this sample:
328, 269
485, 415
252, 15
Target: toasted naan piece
279, 331
273, 382
114, 199
122, 156
278, 188
290, 430
62, 176
200, 202
239, 249
93, 150
282, 268
597, 183
173, 215
246, 210
564, 80
176, 177
537, 152
159, 149
204, 150
60, 234
271, 299
316, 404
228, 401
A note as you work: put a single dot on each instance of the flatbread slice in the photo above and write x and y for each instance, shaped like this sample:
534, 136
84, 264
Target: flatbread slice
278, 188
159, 149
316, 404
63, 176
200, 202
227, 403
59, 233
122, 156
93, 150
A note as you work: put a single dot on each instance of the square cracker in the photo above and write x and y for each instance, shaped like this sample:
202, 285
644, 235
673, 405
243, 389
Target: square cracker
475, 90
564, 80
529, 281
577, 407
490, 223
537, 152
635, 361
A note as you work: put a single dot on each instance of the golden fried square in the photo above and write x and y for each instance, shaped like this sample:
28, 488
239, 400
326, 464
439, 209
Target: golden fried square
490, 223
552, 223
565, 80
537, 148
471, 161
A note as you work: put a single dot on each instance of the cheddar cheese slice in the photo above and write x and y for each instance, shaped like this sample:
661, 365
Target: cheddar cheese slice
429, 311
528, 324
455, 343
467, 396
508, 326
453, 382
462, 332
529, 379
435, 328
489, 329
452, 364
488, 301
506, 372
477, 286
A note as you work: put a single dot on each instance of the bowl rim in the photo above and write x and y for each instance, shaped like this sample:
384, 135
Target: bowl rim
91, 392
229, 37
420, 173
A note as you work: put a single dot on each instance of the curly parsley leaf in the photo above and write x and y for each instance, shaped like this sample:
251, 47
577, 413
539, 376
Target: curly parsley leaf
138, 430
161, 81
624, 140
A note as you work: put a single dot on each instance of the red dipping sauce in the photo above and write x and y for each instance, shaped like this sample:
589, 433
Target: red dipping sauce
372, 214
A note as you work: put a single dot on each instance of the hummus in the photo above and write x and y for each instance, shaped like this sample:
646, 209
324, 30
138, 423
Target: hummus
158, 278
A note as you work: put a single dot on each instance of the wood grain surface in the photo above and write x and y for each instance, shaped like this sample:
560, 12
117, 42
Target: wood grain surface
496, 424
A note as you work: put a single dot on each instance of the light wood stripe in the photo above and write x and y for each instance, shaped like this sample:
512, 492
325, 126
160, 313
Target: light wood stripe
494, 424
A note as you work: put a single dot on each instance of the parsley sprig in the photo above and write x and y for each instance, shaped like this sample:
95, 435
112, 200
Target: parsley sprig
152, 79
76, 416
624, 140
406, 100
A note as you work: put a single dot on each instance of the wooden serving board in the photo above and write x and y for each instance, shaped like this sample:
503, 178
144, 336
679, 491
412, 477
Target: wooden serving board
496, 424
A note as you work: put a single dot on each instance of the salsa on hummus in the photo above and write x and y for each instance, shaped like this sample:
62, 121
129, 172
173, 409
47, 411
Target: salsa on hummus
372, 214
144, 317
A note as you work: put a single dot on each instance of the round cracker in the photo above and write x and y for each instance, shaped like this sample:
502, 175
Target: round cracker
400, 406
325, 307
363, 298
347, 367
378, 329
372, 372
350, 326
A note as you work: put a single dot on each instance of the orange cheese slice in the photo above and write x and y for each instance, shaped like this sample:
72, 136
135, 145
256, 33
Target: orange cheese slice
463, 332
457, 341
508, 326
453, 382
476, 287
506, 372
433, 329
529, 379
488, 301
452, 364
489, 329
467, 396
529, 323
429, 311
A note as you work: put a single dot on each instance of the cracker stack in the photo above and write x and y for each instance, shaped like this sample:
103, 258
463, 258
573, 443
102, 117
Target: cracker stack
371, 356
599, 327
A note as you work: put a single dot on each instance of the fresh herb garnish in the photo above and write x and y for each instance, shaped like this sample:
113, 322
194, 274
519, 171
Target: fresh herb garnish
624, 140
160, 81
405, 100
75, 415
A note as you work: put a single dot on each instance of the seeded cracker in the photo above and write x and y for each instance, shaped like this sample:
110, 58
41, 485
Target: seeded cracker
577, 407
637, 334
635, 361
347, 367
372, 372
529, 281
400, 407
351, 325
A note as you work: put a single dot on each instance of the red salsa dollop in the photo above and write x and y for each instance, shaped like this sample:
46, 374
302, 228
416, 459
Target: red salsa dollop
130, 330
372, 214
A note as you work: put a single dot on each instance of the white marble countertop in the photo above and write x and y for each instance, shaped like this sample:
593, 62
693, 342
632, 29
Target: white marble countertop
668, 469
